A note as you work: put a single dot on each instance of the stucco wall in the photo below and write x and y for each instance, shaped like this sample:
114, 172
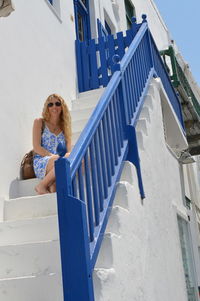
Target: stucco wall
164, 275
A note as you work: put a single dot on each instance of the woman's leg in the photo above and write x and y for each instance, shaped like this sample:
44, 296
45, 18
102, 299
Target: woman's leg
47, 184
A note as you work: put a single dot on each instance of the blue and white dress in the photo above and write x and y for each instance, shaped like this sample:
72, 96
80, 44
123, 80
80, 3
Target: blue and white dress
50, 142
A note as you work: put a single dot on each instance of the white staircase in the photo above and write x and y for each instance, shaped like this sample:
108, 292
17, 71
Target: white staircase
29, 245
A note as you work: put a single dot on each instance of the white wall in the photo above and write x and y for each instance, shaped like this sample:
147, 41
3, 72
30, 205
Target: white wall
37, 58
145, 246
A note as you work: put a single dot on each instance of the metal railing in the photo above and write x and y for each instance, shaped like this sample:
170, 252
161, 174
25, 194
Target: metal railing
86, 181
179, 79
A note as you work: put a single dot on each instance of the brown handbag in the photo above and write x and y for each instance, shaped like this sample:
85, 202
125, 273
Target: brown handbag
27, 171
26, 168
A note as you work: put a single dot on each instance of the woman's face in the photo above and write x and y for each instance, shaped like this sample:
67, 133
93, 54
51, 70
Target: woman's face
54, 106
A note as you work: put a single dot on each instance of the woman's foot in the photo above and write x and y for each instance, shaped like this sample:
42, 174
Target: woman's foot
41, 189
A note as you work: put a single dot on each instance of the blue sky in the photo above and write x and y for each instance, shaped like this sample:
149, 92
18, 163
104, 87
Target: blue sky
182, 18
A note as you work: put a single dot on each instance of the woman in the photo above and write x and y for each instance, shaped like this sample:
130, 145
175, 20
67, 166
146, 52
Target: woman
53, 128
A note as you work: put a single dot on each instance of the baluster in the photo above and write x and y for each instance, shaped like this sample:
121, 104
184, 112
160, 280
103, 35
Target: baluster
117, 126
128, 96
89, 196
110, 143
131, 89
136, 85
145, 57
111, 130
103, 160
120, 118
81, 184
94, 183
139, 71
141, 66
74, 187
132, 69
107, 150
99, 171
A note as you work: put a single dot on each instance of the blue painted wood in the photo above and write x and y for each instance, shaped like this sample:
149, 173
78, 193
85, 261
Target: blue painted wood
120, 110
79, 66
105, 165
115, 113
103, 59
111, 47
110, 142
107, 152
112, 127
133, 156
95, 187
74, 187
89, 196
99, 170
93, 63
74, 244
81, 184
86, 69
121, 45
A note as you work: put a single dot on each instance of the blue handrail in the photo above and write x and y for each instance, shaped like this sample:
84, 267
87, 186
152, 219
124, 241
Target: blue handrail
86, 181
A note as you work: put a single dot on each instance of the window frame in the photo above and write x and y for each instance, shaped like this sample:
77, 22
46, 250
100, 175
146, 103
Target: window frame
129, 5
81, 11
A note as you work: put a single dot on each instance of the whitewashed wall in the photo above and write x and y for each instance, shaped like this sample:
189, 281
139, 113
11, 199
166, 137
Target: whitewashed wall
36, 58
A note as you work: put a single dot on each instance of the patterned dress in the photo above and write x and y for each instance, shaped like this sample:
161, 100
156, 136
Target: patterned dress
50, 142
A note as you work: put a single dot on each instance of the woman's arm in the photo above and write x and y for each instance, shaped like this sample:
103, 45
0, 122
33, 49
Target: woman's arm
37, 132
69, 148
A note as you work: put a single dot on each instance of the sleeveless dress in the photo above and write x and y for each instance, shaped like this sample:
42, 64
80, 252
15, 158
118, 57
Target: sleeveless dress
50, 142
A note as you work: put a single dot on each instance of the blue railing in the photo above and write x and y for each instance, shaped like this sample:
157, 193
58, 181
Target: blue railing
86, 181
95, 63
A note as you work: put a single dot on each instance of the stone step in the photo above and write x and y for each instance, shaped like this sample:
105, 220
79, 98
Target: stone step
79, 125
30, 207
81, 114
29, 230
41, 288
92, 93
30, 259
87, 100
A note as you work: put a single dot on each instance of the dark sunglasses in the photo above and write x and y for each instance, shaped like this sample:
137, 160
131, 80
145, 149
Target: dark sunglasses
57, 104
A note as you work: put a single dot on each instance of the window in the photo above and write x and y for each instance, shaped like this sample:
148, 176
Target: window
54, 6
187, 257
108, 29
81, 8
130, 12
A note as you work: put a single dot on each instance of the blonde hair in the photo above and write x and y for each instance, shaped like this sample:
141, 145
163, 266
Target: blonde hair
65, 117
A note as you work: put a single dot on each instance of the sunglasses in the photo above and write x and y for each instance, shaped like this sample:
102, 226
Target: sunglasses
51, 104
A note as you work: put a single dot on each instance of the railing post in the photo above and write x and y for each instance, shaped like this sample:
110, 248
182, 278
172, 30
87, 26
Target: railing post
74, 241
